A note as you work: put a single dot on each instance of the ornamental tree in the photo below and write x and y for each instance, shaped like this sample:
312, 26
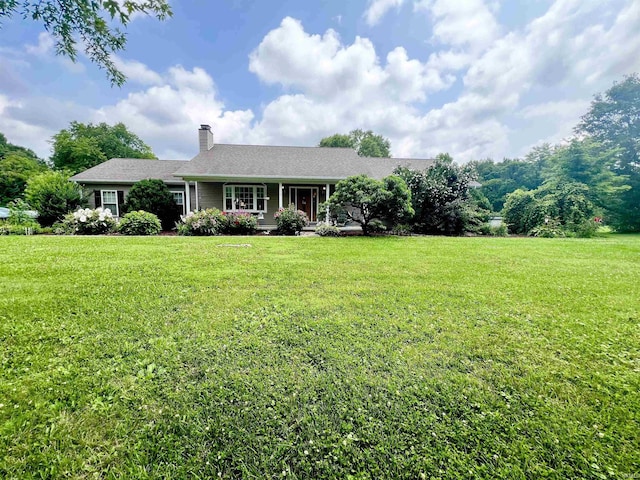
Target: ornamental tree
363, 199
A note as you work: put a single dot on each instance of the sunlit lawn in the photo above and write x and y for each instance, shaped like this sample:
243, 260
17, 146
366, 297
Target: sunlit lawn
406, 357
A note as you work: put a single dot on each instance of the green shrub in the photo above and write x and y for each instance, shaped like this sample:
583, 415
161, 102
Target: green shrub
326, 230
494, 231
402, 229
203, 223
500, 230
290, 221
139, 223
376, 226
551, 228
18, 214
7, 228
238, 223
587, 228
154, 196
87, 222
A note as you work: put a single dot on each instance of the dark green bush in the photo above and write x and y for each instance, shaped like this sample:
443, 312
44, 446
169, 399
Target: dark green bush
154, 196
376, 226
402, 229
139, 223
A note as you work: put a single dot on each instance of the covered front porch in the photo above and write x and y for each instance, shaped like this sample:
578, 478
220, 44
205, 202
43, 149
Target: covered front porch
261, 198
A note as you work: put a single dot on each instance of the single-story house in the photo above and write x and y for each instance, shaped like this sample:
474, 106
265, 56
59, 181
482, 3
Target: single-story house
256, 178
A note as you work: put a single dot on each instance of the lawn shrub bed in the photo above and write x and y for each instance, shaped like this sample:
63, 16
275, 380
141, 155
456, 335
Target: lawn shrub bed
391, 357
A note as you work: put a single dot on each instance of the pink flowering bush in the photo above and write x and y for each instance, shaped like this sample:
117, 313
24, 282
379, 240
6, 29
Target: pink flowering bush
290, 221
214, 222
202, 223
239, 223
86, 221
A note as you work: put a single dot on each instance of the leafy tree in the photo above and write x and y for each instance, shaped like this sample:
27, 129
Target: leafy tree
440, 198
154, 196
337, 140
7, 148
519, 211
84, 146
363, 199
614, 121
53, 196
15, 170
501, 178
366, 144
93, 23
588, 162
565, 204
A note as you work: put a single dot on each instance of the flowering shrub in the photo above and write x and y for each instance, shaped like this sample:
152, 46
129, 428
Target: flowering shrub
203, 222
139, 223
87, 222
290, 221
325, 230
214, 222
238, 223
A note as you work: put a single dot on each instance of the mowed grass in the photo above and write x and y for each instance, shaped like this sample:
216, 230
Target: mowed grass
319, 358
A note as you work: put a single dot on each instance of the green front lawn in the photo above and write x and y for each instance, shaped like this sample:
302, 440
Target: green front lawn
174, 357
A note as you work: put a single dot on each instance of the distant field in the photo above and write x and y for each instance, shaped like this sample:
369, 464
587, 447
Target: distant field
364, 358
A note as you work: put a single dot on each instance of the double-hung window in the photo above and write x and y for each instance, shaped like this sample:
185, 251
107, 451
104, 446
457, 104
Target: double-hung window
178, 196
252, 198
110, 201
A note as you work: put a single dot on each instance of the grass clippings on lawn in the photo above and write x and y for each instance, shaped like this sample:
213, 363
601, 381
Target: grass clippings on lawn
326, 358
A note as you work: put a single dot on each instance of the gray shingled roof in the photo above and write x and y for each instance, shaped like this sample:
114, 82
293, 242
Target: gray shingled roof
127, 170
288, 163
228, 162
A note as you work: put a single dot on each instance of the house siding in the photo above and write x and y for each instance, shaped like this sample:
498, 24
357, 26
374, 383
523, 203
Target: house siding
89, 190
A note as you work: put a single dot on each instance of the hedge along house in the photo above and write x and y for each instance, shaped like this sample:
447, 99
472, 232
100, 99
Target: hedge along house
253, 178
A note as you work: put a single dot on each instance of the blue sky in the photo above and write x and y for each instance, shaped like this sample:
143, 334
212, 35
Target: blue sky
475, 78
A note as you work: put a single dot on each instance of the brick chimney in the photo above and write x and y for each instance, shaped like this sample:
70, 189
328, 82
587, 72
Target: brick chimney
205, 136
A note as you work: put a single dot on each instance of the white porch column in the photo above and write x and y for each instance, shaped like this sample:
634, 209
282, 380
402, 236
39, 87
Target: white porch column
327, 199
280, 195
197, 197
187, 196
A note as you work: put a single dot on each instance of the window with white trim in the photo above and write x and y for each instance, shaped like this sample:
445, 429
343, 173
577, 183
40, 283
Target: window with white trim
110, 201
252, 198
178, 196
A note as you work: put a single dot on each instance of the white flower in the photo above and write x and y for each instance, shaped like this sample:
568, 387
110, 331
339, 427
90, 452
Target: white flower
107, 211
83, 218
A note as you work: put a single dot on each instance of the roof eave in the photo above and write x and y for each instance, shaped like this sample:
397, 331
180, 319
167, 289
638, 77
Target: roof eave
261, 178
122, 182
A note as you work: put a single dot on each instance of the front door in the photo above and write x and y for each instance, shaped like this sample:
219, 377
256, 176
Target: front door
304, 201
